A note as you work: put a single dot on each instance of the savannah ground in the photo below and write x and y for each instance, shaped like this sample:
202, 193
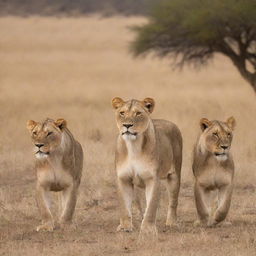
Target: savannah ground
72, 68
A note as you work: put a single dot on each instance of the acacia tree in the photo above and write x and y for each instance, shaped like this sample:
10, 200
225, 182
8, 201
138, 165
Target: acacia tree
192, 31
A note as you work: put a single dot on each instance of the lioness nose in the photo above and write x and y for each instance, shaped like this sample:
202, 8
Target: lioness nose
224, 147
127, 125
39, 145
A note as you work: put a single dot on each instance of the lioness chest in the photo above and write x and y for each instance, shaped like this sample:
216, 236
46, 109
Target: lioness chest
137, 169
53, 176
214, 176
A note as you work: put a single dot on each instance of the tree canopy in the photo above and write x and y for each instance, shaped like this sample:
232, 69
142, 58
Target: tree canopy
74, 7
192, 31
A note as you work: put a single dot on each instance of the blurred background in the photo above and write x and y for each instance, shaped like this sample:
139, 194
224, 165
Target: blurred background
76, 7
68, 59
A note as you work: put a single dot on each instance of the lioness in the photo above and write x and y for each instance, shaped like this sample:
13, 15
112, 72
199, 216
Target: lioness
213, 168
147, 151
59, 163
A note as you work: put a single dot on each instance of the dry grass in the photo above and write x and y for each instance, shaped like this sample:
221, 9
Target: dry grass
72, 68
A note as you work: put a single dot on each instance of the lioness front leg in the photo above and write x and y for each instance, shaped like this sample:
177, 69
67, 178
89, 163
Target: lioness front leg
225, 194
173, 188
202, 198
43, 202
148, 226
68, 200
138, 202
126, 192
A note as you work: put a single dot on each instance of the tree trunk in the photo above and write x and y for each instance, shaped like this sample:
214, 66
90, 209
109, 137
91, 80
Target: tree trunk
239, 60
250, 77
252, 81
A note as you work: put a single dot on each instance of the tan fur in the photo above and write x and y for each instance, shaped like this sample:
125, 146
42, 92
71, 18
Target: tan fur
59, 164
146, 152
213, 168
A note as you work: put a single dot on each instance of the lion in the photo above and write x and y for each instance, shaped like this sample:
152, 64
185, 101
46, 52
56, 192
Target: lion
59, 164
148, 151
213, 169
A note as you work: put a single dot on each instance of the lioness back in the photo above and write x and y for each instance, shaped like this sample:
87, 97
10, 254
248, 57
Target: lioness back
79, 159
170, 144
169, 130
73, 156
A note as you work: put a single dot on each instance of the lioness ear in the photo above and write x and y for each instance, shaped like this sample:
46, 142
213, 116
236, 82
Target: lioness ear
205, 123
61, 123
31, 125
117, 103
231, 123
149, 104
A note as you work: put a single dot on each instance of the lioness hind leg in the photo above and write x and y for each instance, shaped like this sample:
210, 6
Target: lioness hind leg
43, 202
126, 193
68, 200
173, 188
225, 194
202, 200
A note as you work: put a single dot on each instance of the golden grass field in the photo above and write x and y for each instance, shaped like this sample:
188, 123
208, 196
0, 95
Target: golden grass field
72, 68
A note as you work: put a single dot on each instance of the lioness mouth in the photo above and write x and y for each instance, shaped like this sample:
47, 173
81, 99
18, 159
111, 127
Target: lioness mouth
44, 153
129, 133
219, 154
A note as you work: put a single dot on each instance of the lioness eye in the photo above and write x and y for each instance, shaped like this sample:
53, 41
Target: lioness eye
49, 133
34, 133
215, 134
121, 113
229, 134
138, 113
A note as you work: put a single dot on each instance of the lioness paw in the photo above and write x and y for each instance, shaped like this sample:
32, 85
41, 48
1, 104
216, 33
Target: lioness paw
197, 223
226, 224
48, 227
122, 228
172, 224
211, 223
148, 230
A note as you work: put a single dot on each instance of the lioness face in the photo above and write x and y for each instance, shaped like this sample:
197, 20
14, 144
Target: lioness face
46, 136
217, 136
132, 116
